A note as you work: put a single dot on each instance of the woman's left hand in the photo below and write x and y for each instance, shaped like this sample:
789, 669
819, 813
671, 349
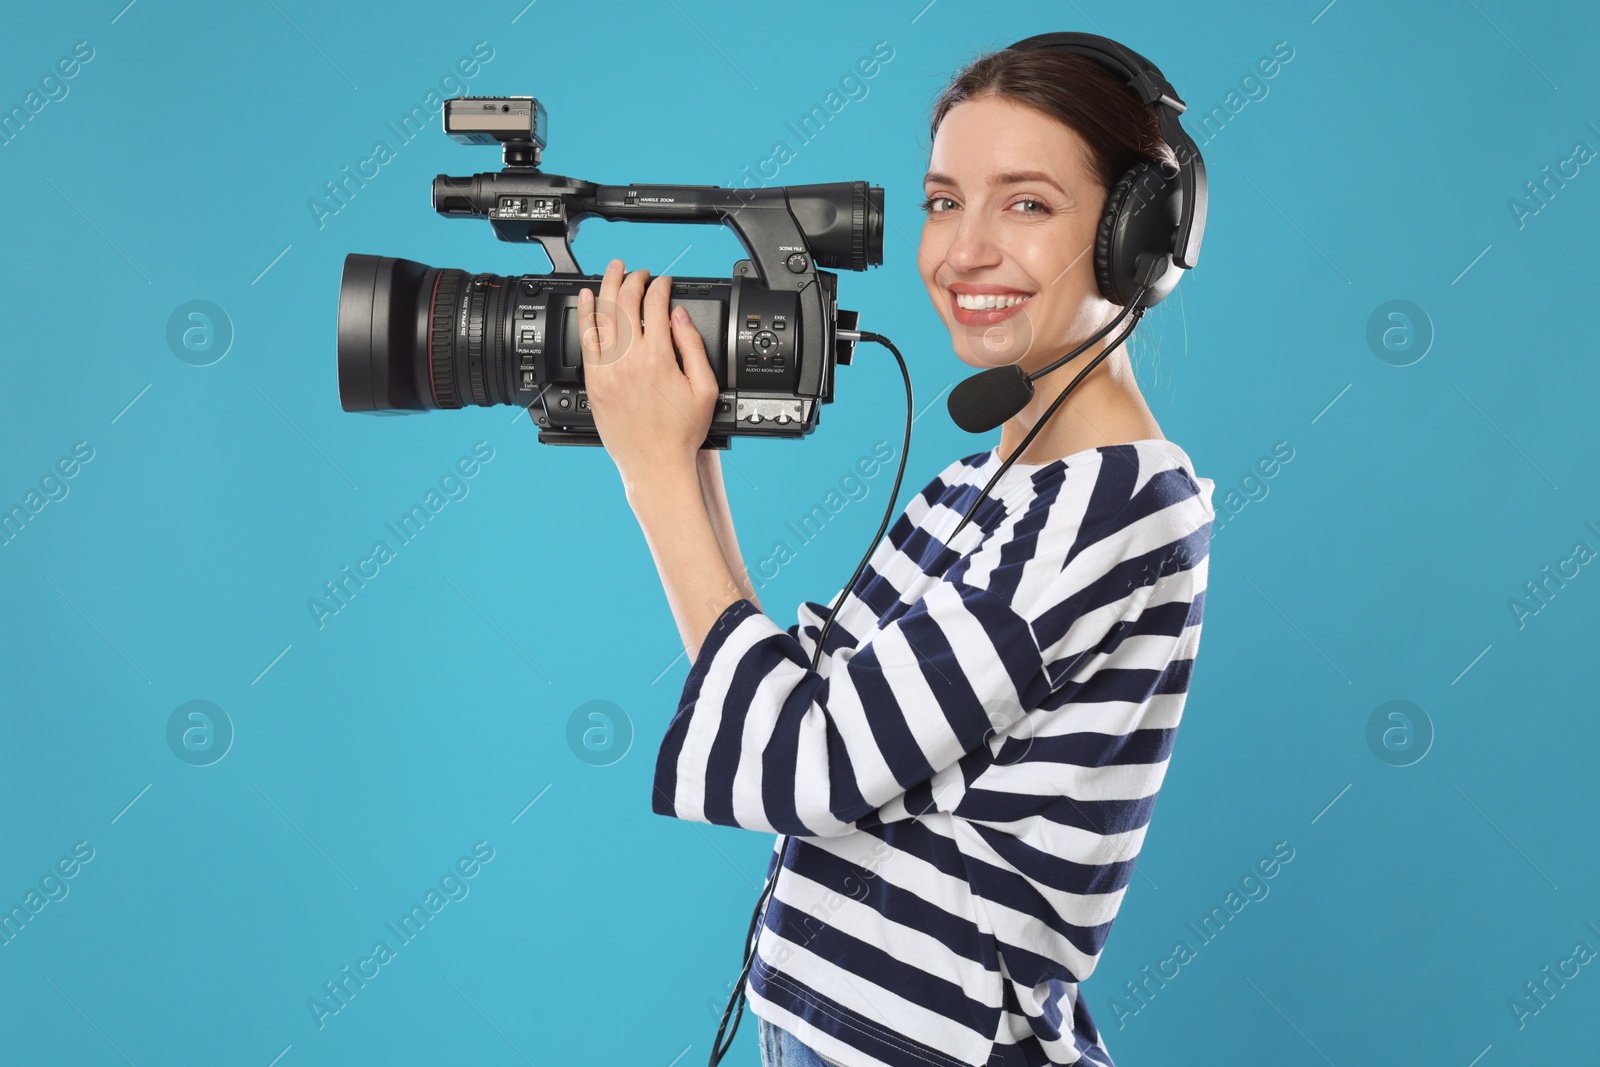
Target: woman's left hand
651, 416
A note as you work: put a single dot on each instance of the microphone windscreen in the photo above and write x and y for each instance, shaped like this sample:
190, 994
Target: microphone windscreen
986, 400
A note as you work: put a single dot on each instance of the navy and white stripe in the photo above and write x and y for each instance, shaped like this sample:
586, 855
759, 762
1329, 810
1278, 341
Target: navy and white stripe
969, 774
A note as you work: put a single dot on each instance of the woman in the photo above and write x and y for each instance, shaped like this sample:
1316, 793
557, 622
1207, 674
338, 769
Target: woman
967, 776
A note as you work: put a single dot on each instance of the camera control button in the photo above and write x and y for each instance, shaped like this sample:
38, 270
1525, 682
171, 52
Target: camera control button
755, 416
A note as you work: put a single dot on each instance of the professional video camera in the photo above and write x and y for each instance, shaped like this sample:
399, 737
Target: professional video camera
415, 338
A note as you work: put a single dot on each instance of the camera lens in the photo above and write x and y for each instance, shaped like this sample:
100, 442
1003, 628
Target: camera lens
415, 338
380, 337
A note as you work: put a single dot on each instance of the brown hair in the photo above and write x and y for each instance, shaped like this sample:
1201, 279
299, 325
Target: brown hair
1075, 91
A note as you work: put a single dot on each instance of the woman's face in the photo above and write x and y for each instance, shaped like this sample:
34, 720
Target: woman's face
1012, 214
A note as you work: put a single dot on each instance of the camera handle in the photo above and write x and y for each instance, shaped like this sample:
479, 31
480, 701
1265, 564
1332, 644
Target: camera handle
788, 231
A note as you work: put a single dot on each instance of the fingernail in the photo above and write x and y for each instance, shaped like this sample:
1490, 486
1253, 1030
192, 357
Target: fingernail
680, 314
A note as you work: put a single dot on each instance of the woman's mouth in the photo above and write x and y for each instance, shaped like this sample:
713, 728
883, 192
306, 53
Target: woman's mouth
985, 309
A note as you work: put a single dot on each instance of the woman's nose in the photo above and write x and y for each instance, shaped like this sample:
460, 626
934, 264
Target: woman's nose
973, 247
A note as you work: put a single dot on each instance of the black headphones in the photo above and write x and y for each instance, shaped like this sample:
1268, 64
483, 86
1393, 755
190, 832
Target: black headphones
1145, 211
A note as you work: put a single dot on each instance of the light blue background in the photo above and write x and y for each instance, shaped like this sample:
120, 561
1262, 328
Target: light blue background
369, 755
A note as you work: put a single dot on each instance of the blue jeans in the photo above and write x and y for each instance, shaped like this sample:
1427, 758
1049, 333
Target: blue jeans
780, 1048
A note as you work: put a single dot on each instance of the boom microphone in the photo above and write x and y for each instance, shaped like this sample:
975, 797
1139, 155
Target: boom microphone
986, 400
990, 397
1138, 313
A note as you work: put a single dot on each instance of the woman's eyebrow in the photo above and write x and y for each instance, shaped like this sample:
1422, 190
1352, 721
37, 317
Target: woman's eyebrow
1008, 178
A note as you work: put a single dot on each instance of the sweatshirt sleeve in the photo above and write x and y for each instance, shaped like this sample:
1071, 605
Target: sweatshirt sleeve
761, 741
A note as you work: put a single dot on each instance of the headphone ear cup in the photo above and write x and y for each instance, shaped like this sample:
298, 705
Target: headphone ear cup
1105, 233
1140, 216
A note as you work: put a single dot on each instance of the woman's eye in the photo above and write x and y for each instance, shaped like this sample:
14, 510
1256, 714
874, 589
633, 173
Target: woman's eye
928, 205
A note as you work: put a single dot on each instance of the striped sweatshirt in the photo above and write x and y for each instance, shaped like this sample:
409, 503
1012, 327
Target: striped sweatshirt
968, 775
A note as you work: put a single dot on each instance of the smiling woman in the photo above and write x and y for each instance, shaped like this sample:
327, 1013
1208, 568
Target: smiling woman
963, 760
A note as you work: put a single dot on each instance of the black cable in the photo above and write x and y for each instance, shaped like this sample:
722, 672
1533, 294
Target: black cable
719, 1049
1138, 313
1116, 320
905, 451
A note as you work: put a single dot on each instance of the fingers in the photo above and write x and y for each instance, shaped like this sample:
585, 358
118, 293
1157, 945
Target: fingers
609, 322
603, 319
610, 282
656, 299
696, 364
629, 296
588, 335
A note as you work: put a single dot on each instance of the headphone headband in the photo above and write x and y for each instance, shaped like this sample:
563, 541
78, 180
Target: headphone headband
1153, 89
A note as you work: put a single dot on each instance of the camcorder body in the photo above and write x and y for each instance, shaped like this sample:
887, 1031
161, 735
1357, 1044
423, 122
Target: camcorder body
415, 338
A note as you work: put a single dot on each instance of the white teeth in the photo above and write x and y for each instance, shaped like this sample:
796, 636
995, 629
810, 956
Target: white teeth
988, 301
